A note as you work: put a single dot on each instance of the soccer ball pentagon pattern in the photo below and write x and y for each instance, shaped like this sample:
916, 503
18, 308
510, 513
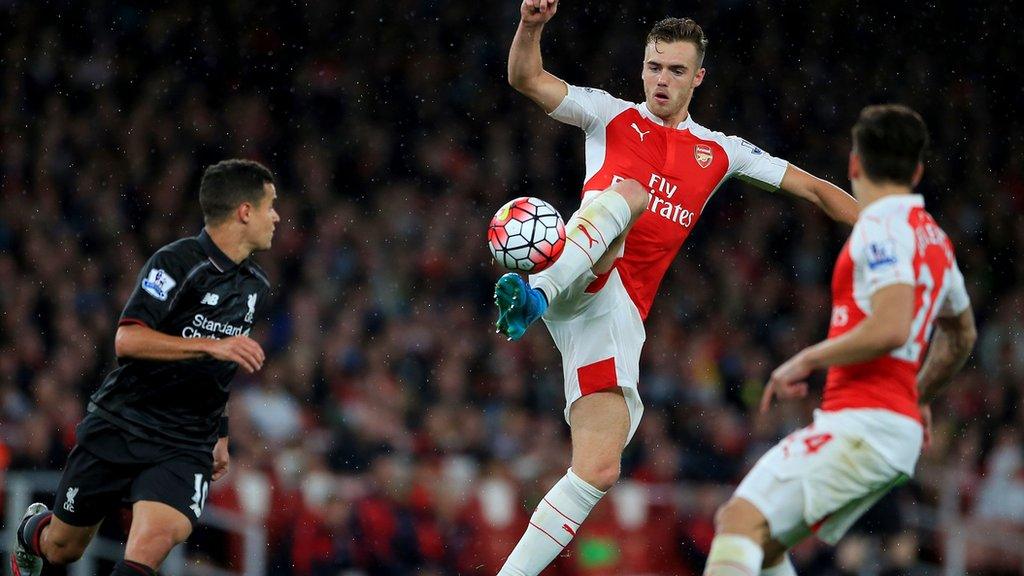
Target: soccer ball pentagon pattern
526, 235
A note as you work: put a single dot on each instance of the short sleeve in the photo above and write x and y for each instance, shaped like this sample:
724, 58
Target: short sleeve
957, 299
882, 255
754, 165
155, 289
588, 108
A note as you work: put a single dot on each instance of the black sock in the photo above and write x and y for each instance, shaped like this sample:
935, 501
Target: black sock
129, 568
31, 531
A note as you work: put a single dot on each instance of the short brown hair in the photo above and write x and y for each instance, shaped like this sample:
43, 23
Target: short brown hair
229, 183
890, 140
680, 30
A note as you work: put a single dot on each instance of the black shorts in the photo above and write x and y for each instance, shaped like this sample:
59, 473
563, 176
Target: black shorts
109, 467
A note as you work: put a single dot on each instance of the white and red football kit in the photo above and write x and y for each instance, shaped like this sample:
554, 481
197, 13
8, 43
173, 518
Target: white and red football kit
895, 242
867, 436
597, 323
682, 166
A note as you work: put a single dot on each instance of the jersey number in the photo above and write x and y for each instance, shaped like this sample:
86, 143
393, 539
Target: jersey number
920, 329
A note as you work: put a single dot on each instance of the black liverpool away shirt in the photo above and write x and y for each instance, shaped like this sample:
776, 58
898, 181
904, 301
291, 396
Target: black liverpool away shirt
189, 288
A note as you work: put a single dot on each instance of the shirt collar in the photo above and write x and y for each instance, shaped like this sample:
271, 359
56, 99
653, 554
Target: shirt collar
911, 200
216, 255
646, 113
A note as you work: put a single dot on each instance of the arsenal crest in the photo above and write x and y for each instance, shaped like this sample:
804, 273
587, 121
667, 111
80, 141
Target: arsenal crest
702, 153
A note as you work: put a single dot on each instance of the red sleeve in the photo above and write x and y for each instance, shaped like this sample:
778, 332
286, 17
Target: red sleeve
132, 321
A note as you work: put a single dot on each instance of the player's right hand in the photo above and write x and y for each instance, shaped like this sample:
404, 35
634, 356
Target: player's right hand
241, 350
538, 11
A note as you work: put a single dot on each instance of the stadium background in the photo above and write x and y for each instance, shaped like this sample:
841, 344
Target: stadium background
391, 432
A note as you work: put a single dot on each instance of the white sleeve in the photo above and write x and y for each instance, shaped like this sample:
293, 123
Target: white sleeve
957, 299
754, 165
883, 253
588, 108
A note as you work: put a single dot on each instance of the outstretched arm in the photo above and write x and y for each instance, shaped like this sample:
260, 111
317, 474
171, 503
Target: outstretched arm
839, 205
525, 68
884, 330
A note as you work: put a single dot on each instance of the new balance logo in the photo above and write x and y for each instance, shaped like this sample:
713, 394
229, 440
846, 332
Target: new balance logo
69, 499
211, 299
640, 132
590, 239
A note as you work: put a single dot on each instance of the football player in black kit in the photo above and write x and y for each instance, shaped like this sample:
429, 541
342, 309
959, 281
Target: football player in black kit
156, 430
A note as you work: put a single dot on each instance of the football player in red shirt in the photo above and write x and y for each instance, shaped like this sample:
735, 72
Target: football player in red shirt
651, 170
895, 279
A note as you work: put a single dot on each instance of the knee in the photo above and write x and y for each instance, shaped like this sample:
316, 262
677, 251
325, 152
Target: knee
635, 194
151, 544
740, 517
61, 552
158, 540
729, 517
600, 475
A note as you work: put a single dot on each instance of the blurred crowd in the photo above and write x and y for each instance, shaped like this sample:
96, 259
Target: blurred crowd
391, 431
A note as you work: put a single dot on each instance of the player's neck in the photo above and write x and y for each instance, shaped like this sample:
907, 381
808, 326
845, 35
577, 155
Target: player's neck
230, 241
868, 193
677, 118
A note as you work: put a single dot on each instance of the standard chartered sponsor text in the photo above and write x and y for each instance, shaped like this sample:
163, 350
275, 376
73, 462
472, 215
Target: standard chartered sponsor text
203, 327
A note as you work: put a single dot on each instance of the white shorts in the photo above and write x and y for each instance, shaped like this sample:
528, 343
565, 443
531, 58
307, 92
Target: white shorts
600, 336
822, 478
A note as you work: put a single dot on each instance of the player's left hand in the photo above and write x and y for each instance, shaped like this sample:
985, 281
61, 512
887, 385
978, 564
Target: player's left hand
221, 459
787, 381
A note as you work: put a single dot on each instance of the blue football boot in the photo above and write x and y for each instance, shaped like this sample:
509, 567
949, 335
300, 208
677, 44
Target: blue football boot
518, 305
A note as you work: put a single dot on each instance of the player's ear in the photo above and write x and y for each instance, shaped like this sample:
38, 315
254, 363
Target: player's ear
853, 169
244, 211
918, 173
698, 78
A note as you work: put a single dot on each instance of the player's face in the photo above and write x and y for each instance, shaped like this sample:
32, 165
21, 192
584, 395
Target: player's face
263, 218
671, 72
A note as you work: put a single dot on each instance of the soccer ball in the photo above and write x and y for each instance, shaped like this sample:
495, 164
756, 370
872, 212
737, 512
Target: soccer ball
526, 235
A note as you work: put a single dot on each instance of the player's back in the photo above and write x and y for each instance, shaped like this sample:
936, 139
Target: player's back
895, 241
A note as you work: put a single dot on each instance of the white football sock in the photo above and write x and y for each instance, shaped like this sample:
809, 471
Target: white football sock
587, 236
733, 555
784, 568
552, 526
